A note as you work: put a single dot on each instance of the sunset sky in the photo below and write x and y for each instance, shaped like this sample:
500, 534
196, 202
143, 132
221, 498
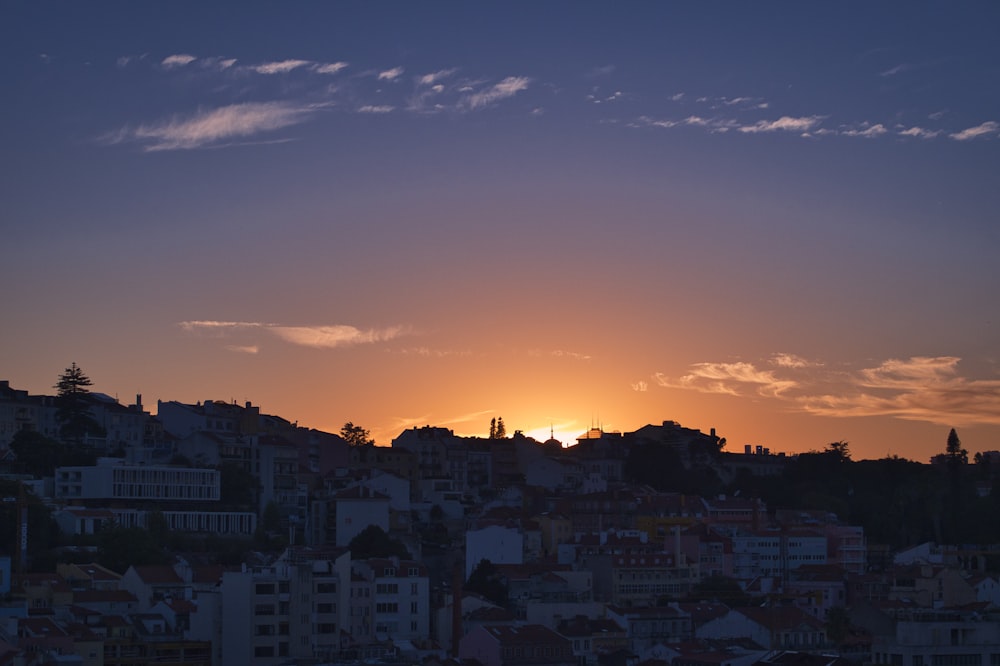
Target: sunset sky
777, 219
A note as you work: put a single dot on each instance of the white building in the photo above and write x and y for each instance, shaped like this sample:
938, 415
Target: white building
398, 598
356, 509
939, 639
113, 479
774, 553
293, 609
496, 543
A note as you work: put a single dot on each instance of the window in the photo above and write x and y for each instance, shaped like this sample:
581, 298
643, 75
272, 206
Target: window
264, 588
263, 609
263, 651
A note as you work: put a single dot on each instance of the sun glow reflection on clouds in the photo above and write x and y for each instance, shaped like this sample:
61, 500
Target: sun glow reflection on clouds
925, 389
317, 337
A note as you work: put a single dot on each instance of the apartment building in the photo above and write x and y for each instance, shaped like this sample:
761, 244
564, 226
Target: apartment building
293, 609
113, 479
396, 594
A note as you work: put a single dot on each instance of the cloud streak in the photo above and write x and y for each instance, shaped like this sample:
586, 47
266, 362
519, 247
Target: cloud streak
390, 74
208, 128
509, 87
178, 60
280, 67
985, 129
929, 389
329, 336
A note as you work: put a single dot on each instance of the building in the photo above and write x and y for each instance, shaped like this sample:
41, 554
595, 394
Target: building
295, 608
398, 595
523, 645
111, 479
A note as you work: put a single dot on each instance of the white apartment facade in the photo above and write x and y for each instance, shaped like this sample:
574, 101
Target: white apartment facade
396, 594
112, 479
293, 609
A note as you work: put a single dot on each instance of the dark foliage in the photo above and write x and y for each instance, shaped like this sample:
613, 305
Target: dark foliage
485, 580
374, 542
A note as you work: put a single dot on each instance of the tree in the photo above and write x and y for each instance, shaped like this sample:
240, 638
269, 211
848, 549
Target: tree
73, 406
954, 451
39, 456
840, 450
486, 581
497, 429
838, 624
356, 435
374, 542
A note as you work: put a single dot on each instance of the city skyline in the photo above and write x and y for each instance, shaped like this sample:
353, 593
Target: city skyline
778, 221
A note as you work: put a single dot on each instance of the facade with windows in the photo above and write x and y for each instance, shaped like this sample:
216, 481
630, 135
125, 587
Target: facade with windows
112, 479
293, 609
392, 599
935, 638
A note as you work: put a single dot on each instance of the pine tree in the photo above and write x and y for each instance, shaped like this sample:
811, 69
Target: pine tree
501, 428
956, 454
73, 406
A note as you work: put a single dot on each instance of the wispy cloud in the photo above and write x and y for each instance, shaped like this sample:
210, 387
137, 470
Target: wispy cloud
280, 66
218, 63
178, 60
390, 74
919, 132
317, 337
509, 87
562, 353
427, 352
783, 124
604, 70
331, 67
729, 378
375, 108
328, 337
920, 388
791, 361
893, 71
640, 386
986, 129
866, 130
243, 349
207, 128
434, 77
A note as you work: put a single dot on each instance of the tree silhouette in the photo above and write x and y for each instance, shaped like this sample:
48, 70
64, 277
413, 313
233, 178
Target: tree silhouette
73, 406
374, 542
955, 453
356, 435
501, 428
486, 581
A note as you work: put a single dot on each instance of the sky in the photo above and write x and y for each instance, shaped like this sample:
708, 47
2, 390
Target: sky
779, 220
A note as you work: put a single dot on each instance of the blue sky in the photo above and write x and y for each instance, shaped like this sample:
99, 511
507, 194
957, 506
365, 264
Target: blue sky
776, 219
